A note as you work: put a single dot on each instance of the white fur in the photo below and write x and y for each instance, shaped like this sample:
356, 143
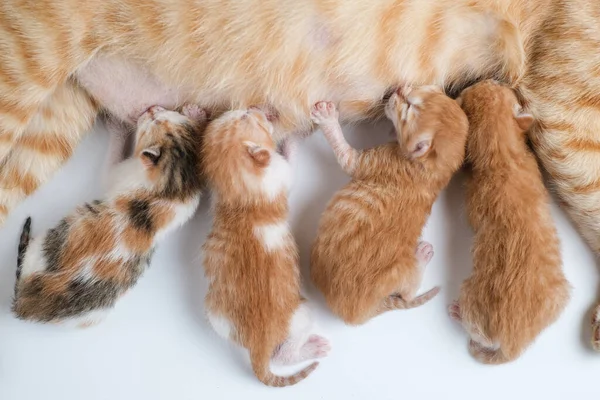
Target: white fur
273, 236
183, 212
126, 177
34, 260
220, 324
300, 344
277, 177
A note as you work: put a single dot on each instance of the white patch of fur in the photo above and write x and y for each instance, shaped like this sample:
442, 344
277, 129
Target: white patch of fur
126, 177
34, 260
273, 236
183, 212
277, 177
220, 324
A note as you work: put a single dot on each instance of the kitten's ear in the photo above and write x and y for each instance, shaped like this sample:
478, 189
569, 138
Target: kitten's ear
524, 120
420, 146
151, 155
259, 154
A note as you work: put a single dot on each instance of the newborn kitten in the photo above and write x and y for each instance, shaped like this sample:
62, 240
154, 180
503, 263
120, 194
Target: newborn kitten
77, 270
367, 259
251, 258
517, 287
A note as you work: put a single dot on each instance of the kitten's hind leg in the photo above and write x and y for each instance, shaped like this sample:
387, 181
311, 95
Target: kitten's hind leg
326, 115
300, 344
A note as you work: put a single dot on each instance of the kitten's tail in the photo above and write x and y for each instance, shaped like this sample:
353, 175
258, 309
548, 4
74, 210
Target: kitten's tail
395, 302
261, 358
23, 245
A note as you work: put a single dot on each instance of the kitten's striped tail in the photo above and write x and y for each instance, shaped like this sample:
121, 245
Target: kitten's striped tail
23, 245
395, 302
261, 358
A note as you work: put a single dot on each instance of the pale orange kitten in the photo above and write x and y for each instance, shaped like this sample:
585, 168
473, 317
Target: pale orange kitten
367, 258
251, 258
517, 288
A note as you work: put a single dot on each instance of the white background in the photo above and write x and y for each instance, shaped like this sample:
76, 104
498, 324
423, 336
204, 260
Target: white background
156, 343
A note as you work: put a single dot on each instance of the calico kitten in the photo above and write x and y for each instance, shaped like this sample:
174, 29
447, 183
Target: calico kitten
517, 288
251, 258
367, 259
77, 270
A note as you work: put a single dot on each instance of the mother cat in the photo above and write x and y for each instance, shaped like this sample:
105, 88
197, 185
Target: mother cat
290, 54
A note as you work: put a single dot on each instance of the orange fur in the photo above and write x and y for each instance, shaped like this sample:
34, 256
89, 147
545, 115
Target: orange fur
363, 259
517, 288
254, 279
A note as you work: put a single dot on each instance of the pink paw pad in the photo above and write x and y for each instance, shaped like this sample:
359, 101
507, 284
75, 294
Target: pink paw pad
324, 111
424, 252
194, 112
315, 347
454, 311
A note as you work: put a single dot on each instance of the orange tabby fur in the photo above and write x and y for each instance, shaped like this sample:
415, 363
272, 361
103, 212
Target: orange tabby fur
517, 288
291, 54
363, 259
251, 258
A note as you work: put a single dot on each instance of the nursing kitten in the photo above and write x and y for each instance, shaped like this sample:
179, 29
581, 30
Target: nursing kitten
223, 55
77, 270
517, 288
367, 259
251, 258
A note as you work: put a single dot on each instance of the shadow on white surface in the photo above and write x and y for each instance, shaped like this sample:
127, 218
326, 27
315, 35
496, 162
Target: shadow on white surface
156, 343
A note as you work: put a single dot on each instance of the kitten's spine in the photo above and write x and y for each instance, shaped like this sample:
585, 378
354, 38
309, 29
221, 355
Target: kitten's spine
395, 302
261, 358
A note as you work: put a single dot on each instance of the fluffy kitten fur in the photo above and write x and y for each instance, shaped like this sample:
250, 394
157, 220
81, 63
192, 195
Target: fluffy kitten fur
517, 287
251, 258
366, 259
291, 54
77, 270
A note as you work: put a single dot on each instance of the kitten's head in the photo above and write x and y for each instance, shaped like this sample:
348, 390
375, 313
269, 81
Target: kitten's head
168, 144
428, 123
240, 157
495, 116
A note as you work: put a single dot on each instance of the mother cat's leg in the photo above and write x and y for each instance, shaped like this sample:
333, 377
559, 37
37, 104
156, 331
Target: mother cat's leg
562, 88
34, 152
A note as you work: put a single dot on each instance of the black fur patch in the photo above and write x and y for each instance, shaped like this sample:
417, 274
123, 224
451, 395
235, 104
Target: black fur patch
94, 207
23, 244
182, 169
140, 215
54, 245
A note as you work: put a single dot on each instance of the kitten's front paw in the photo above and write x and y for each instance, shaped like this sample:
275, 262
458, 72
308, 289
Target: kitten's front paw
324, 112
194, 112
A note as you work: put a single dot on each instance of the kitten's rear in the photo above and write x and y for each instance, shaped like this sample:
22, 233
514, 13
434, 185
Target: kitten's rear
517, 287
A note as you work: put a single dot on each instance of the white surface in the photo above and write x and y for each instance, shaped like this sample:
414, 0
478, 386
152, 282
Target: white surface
156, 343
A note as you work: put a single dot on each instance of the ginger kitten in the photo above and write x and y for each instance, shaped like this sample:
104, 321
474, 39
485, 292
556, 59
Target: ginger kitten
77, 270
367, 258
517, 288
251, 258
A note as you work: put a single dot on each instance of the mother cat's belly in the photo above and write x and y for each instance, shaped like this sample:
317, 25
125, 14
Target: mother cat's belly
126, 89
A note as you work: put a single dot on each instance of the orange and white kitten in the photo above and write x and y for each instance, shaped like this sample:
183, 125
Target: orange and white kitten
76, 271
251, 258
517, 288
367, 259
